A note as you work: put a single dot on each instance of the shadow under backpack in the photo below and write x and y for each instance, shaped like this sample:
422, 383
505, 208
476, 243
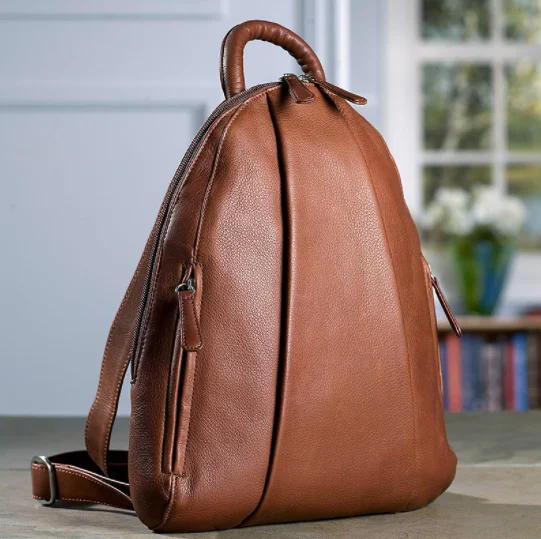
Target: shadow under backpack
280, 326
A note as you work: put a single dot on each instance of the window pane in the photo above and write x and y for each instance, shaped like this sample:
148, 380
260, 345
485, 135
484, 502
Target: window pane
457, 106
464, 177
523, 20
524, 106
524, 181
455, 20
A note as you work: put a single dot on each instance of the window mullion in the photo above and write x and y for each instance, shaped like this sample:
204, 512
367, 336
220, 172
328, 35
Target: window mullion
499, 95
499, 124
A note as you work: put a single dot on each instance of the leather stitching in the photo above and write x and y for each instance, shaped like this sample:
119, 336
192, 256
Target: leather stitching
158, 258
200, 285
111, 419
182, 314
216, 160
127, 295
184, 449
172, 211
183, 337
60, 470
177, 351
170, 504
234, 115
197, 346
182, 472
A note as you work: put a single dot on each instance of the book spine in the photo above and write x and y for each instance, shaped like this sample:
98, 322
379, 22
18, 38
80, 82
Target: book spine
520, 363
444, 376
533, 370
492, 377
454, 372
509, 383
467, 351
478, 378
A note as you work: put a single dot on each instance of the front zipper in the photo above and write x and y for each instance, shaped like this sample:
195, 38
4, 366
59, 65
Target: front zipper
340, 92
164, 210
298, 91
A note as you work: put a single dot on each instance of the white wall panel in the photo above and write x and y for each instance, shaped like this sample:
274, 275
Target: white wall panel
98, 101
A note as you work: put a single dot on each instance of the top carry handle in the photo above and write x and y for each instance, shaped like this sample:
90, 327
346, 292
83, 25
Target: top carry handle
231, 61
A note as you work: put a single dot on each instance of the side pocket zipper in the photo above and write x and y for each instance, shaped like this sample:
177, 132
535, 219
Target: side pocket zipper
190, 332
429, 283
453, 322
188, 341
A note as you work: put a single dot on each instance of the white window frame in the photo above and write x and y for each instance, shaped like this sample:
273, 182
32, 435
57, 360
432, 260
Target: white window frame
405, 51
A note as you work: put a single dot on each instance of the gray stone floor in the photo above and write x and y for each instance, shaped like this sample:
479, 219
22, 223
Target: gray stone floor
496, 494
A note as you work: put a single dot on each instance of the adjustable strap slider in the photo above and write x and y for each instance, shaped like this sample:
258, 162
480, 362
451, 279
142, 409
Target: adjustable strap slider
53, 485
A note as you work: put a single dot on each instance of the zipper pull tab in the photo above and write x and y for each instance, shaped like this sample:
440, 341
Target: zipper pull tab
298, 91
453, 322
190, 332
340, 92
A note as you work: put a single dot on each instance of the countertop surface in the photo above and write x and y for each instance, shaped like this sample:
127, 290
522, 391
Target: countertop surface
496, 493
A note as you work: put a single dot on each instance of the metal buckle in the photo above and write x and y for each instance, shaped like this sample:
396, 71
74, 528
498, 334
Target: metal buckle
52, 479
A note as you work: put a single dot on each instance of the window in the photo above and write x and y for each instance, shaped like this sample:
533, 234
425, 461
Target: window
464, 78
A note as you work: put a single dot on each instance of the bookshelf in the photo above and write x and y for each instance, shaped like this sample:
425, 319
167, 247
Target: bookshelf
495, 366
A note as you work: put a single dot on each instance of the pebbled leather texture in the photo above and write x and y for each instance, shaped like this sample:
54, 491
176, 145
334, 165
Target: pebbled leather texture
299, 378
232, 52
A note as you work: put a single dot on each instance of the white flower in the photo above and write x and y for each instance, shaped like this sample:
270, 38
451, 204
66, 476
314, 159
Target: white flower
502, 213
459, 213
452, 199
433, 216
513, 216
458, 222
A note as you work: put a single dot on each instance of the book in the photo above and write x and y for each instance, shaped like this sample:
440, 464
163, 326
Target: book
444, 377
466, 371
508, 375
496, 365
534, 380
476, 372
454, 372
492, 366
520, 365
472, 380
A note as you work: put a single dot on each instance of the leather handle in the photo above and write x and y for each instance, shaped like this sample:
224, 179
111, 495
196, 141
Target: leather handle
231, 61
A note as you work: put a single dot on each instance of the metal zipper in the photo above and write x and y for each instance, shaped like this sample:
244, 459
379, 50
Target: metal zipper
164, 210
451, 318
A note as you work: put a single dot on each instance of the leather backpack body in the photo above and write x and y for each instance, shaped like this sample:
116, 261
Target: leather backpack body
280, 326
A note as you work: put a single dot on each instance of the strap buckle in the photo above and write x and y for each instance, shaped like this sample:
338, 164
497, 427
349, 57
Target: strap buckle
53, 488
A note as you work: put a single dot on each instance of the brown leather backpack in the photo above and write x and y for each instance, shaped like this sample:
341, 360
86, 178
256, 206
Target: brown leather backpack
280, 326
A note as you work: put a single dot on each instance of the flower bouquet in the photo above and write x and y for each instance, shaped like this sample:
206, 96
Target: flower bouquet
480, 230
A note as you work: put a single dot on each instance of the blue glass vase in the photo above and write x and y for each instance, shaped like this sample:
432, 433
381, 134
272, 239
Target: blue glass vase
481, 268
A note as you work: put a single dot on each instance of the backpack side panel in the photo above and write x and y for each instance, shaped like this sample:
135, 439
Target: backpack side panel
149, 474
228, 221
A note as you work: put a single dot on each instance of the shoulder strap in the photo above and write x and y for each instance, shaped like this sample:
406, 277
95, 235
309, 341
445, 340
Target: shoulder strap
98, 475
116, 358
73, 477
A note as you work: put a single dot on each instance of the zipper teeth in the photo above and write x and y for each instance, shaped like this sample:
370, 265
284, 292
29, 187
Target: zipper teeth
164, 210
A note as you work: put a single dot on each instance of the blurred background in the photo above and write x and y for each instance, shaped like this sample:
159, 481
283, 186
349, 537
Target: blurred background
100, 99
